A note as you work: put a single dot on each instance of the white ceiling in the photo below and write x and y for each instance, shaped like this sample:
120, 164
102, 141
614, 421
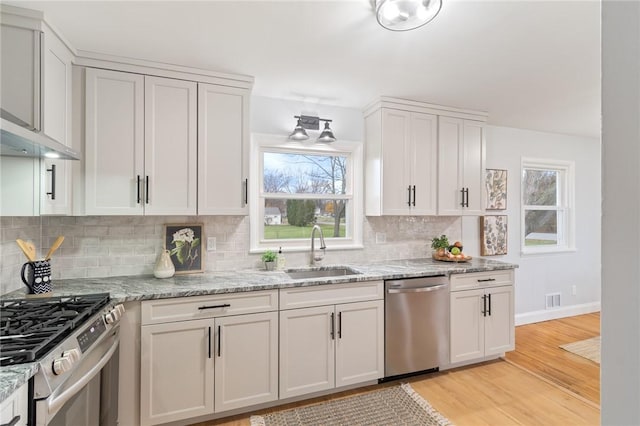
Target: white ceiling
529, 64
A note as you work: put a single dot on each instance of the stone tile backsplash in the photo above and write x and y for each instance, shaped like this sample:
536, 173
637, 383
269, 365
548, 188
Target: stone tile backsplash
102, 246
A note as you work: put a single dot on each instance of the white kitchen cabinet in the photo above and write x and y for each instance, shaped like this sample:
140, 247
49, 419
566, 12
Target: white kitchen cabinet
198, 358
19, 186
246, 362
177, 371
141, 144
401, 163
482, 315
323, 347
461, 157
223, 140
13, 410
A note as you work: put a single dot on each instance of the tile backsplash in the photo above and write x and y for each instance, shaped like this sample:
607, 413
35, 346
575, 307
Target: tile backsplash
103, 246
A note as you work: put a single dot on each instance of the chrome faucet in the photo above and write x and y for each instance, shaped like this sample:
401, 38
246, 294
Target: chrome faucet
317, 258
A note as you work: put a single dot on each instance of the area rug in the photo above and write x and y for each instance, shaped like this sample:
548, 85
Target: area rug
397, 405
589, 348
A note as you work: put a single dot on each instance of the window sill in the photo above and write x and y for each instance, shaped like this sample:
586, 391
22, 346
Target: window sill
542, 252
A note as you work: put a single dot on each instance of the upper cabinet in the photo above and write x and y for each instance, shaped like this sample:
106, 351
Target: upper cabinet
401, 163
461, 156
423, 159
223, 153
140, 144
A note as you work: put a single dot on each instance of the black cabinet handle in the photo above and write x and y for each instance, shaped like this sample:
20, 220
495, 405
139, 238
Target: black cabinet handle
409, 190
53, 181
138, 188
219, 340
462, 194
209, 342
466, 204
489, 304
226, 305
333, 326
246, 191
14, 421
484, 305
486, 280
414, 195
146, 189
339, 325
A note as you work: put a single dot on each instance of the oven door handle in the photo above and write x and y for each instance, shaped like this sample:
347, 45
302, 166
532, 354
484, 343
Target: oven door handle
54, 404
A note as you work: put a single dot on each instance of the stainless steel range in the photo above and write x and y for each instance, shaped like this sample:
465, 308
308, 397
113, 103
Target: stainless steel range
74, 340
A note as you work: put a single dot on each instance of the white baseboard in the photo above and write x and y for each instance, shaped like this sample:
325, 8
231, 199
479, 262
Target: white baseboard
563, 312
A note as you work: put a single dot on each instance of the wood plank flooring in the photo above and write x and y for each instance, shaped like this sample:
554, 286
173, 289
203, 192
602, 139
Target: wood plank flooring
539, 384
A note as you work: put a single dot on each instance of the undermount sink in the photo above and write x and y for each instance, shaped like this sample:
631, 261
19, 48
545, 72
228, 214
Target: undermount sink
324, 272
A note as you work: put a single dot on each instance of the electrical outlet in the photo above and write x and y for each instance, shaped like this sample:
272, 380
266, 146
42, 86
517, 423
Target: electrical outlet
211, 244
574, 290
381, 238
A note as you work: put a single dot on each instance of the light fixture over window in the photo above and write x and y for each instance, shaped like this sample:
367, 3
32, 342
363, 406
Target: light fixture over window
312, 123
404, 15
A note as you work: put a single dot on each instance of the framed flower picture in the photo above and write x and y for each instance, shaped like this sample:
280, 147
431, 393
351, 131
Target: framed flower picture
184, 242
495, 184
493, 235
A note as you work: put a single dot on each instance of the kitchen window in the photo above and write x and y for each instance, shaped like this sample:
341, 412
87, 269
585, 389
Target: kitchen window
547, 206
296, 185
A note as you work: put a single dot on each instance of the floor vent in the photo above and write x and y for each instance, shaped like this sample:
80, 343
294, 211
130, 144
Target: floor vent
553, 300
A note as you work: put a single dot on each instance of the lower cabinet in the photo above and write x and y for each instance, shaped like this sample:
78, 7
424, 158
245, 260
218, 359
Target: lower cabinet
13, 410
482, 320
199, 367
323, 347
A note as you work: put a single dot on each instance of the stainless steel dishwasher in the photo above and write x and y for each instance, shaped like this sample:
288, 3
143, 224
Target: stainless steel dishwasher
416, 325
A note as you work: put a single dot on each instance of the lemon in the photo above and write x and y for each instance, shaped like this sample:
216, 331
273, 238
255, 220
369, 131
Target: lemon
455, 251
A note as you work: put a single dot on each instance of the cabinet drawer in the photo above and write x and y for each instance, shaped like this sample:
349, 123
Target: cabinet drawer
218, 305
481, 279
320, 295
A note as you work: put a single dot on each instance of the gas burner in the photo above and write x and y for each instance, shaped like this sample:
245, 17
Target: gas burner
30, 328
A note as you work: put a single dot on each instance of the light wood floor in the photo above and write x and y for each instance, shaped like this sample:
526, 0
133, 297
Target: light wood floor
538, 384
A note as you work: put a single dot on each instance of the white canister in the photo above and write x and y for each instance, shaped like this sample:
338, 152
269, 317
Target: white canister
164, 266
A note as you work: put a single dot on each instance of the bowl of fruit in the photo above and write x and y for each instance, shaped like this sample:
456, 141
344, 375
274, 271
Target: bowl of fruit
446, 252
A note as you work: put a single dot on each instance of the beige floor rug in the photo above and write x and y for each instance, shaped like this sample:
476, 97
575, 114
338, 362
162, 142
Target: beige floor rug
397, 405
589, 348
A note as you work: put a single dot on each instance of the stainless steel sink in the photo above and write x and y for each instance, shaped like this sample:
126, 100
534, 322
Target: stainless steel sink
325, 272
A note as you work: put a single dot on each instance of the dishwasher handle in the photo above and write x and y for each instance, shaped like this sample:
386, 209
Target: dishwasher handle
416, 289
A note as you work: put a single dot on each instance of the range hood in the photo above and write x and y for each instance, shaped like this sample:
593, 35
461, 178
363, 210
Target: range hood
17, 141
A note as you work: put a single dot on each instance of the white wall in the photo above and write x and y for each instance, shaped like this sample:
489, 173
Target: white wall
620, 368
558, 272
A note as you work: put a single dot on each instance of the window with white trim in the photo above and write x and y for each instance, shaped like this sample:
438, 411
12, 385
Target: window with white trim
547, 206
297, 185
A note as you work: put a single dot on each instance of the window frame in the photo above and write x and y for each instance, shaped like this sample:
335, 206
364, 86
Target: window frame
565, 205
261, 143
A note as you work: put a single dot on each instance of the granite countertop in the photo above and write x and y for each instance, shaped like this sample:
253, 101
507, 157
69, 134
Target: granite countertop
138, 288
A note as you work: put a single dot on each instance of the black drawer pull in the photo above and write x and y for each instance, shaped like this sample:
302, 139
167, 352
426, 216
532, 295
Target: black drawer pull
14, 421
226, 305
486, 280
53, 183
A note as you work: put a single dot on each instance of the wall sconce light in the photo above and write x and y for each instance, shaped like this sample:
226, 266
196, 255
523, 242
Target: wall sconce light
312, 123
404, 15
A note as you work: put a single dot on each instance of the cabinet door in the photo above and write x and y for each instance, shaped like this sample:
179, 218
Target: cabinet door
307, 362
114, 143
499, 327
19, 186
467, 325
223, 140
176, 377
20, 76
55, 187
396, 152
246, 361
359, 342
171, 144
449, 177
473, 152
423, 162
13, 410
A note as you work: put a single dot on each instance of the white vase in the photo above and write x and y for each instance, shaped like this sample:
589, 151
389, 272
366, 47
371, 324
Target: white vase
164, 266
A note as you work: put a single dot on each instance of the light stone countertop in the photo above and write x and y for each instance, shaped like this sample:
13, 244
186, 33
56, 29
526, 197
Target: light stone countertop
138, 288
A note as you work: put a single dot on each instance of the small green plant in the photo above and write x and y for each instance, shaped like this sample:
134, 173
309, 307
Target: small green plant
269, 256
441, 242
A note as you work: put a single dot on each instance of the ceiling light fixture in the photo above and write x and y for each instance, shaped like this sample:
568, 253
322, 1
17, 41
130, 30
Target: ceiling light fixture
404, 15
312, 123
